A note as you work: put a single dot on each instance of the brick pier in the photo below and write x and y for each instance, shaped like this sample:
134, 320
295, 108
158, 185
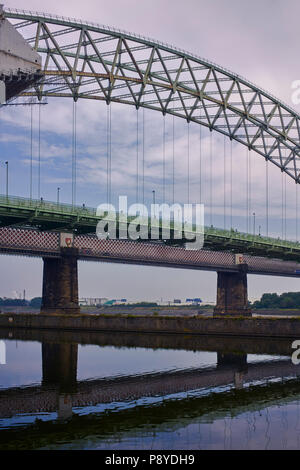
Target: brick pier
232, 294
60, 282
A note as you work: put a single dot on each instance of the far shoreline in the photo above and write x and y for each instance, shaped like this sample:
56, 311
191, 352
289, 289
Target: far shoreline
183, 310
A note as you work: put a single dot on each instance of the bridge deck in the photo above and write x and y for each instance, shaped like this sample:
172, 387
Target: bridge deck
29, 242
46, 215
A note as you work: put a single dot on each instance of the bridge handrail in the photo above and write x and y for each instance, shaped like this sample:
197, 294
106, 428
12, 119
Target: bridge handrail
234, 234
85, 211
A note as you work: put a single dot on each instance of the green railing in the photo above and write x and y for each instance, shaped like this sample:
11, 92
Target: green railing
210, 233
41, 204
260, 239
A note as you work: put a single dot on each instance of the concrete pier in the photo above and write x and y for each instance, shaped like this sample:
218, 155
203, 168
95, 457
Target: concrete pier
60, 282
232, 294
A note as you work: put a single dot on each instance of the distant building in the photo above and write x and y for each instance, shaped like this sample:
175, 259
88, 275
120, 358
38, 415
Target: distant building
92, 301
177, 301
117, 302
196, 301
97, 301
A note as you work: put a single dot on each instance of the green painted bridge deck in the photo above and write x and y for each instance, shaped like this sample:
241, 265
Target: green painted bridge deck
50, 216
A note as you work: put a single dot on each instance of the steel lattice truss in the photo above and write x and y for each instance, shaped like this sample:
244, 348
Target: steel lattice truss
29, 242
101, 63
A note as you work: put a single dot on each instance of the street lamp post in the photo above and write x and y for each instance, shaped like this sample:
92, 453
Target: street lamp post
6, 163
58, 189
153, 194
253, 223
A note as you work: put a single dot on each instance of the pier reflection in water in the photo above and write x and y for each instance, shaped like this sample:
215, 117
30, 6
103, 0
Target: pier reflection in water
139, 391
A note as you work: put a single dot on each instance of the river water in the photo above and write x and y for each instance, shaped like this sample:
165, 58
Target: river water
72, 390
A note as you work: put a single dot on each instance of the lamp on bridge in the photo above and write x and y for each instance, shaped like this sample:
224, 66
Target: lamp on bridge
153, 194
6, 163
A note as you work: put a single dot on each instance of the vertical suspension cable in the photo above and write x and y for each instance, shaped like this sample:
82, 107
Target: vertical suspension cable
296, 211
247, 191
39, 156
173, 157
31, 149
73, 133
188, 163
164, 159
73, 145
267, 197
224, 182
143, 150
210, 191
200, 161
231, 223
285, 225
107, 154
282, 206
74, 151
137, 156
250, 194
110, 154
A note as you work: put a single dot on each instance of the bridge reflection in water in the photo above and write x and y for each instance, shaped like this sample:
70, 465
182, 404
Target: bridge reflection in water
197, 402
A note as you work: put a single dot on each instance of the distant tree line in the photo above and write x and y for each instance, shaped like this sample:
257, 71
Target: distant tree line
13, 302
286, 300
35, 302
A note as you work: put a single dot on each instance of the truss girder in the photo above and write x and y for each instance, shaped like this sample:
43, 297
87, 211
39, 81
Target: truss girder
89, 61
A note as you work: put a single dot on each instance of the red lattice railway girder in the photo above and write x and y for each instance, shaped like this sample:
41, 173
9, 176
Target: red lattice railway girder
27, 242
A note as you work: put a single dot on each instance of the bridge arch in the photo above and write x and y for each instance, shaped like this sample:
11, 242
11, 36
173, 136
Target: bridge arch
89, 61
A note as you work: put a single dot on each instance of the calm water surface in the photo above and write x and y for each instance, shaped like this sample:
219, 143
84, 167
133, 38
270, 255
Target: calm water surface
124, 391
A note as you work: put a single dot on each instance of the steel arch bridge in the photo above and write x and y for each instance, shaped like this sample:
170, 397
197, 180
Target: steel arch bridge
86, 60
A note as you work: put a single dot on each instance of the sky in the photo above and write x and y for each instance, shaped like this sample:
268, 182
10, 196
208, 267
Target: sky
257, 40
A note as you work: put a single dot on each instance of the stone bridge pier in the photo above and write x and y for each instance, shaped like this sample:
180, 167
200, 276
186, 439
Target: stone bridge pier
232, 293
60, 282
